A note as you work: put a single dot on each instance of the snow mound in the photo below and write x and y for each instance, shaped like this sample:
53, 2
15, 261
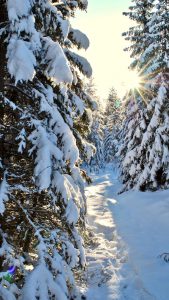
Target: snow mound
126, 259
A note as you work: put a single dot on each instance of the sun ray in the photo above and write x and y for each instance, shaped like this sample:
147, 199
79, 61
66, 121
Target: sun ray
136, 84
132, 80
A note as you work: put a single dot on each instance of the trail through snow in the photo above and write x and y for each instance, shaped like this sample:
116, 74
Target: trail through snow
129, 232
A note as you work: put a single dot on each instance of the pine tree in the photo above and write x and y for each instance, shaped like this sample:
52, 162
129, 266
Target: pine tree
42, 204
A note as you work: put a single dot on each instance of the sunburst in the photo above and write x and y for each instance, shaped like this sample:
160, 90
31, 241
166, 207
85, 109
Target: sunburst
132, 81
137, 83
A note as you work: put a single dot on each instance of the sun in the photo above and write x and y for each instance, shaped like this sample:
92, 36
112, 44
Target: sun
132, 81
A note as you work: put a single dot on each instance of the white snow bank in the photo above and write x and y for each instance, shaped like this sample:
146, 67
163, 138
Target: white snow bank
138, 220
143, 222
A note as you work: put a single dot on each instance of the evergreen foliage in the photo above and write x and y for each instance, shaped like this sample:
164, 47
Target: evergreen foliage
145, 150
42, 202
96, 161
140, 12
96, 137
113, 121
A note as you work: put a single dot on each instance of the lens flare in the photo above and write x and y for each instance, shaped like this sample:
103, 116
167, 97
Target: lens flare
11, 270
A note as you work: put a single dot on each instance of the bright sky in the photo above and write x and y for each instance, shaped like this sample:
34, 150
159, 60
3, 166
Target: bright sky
104, 24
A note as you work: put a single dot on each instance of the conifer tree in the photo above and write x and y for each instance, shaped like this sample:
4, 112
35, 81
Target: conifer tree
133, 128
113, 121
145, 158
42, 205
140, 12
83, 121
156, 55
96, 137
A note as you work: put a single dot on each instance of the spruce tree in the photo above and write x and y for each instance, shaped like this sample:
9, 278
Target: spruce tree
86, 105
133, 128
113, 121
97, 138
145, 159
140, 12
156, 55
42, 205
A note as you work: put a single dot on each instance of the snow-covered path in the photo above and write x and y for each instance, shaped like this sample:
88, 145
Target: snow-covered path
105, 256
123, 262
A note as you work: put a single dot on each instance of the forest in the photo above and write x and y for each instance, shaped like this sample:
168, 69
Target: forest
84, 180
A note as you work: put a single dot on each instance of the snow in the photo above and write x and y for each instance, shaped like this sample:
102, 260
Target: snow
78, 103
3, 194
81, 62
72, 214
18, 8
65, 26
130, 234
143, 223
21, 61
89, 150
47, 150
58, 69
80, 38
42, 285
22, 138
6, 294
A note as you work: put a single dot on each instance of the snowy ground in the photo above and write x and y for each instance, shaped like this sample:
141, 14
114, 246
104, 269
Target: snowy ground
130, 232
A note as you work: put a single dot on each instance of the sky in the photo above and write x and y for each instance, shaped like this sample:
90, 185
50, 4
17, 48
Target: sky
103, 24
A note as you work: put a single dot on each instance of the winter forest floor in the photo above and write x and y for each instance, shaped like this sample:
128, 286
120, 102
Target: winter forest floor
129, 232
